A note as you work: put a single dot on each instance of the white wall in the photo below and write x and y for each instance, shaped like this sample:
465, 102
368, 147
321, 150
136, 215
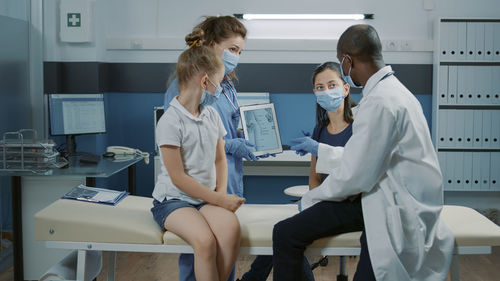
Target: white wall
153, 30
14, 9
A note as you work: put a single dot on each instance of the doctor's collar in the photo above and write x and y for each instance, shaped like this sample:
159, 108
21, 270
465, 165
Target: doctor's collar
383, 73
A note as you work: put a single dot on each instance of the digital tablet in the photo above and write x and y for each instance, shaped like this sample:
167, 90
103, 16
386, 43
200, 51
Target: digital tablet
261, 128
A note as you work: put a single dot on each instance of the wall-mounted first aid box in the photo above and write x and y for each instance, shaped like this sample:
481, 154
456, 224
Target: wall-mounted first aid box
75, 21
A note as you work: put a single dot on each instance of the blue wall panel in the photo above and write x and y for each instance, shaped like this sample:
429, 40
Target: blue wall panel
269, 190
129, 122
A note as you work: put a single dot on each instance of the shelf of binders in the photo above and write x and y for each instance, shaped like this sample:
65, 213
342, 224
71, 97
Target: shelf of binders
467, 170
468, 129
469, 85
469, 40
467, 103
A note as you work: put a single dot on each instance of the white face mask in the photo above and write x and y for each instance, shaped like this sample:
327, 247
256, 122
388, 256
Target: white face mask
330, 99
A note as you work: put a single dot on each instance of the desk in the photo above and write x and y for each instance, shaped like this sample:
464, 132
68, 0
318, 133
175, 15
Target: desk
287, 163
32, 192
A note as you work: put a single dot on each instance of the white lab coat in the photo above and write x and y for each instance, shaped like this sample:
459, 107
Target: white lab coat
391, 161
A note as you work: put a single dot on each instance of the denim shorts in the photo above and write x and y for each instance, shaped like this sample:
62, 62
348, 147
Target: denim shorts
161, 210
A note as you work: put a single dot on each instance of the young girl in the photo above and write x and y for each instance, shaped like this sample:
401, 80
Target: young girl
190, 197
225, 35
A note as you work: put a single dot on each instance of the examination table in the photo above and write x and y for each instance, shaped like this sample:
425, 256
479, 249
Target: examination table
129, 227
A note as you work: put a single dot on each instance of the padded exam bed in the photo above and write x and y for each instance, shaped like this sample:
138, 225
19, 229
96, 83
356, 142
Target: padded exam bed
129, 226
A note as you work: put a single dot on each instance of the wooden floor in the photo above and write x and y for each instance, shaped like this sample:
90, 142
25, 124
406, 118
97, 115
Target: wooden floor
156, 267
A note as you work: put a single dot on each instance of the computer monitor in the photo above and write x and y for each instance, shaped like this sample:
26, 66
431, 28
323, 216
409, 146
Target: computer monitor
76, 114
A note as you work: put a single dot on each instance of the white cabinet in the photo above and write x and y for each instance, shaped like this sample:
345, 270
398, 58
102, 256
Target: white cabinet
466, 103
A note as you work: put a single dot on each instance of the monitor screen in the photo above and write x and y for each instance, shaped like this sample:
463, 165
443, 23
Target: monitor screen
75, 114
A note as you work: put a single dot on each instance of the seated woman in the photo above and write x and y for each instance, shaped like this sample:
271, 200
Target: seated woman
334, 127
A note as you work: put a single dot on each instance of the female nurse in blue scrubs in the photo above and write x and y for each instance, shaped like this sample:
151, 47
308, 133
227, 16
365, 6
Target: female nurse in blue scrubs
226, 35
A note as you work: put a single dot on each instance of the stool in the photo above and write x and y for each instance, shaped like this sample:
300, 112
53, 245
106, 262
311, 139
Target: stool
297, 190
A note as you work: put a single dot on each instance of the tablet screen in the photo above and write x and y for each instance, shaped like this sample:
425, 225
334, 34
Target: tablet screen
261, 128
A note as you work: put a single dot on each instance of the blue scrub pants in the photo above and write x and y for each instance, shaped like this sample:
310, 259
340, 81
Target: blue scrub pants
291, 237
186, 268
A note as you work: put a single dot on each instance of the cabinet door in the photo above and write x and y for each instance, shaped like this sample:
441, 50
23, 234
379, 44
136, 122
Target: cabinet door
445, 29
496, 41
489, 36
485, 170
471, 42
479, 27
467, 172
476, 171
452, 84
495, 171
443, 84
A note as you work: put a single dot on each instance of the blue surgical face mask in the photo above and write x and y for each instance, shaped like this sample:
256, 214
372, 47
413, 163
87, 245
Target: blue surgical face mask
208, 98
347, 78
230, 61
331, 99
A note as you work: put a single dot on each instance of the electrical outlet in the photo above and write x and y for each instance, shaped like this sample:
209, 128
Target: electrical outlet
136, 44
405, 45
391, 45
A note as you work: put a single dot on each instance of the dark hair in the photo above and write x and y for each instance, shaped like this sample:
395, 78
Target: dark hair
362, 42
197, 59
216, 29
321, 114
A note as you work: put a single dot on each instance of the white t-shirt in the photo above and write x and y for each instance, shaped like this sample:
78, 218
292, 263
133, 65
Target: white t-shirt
197, 137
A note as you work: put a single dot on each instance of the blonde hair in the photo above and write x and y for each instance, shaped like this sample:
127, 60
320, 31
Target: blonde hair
195, 60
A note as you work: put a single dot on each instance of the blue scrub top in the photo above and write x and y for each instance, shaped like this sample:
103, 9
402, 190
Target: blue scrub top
225, 106
321, 134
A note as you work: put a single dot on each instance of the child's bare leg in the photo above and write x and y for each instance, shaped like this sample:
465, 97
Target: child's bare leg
226, 228
191, 226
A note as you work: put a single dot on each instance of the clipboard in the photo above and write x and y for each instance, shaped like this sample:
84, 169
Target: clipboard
95, 195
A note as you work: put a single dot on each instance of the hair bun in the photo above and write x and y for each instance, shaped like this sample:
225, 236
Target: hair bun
195, 38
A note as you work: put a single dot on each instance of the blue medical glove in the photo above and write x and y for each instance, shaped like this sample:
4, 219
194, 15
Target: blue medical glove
267, 155
305, 145
240, 148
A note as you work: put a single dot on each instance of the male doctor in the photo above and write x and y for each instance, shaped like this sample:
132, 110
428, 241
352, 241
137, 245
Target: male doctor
386, 181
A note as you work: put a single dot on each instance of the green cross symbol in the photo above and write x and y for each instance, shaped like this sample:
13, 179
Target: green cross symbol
74, 19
